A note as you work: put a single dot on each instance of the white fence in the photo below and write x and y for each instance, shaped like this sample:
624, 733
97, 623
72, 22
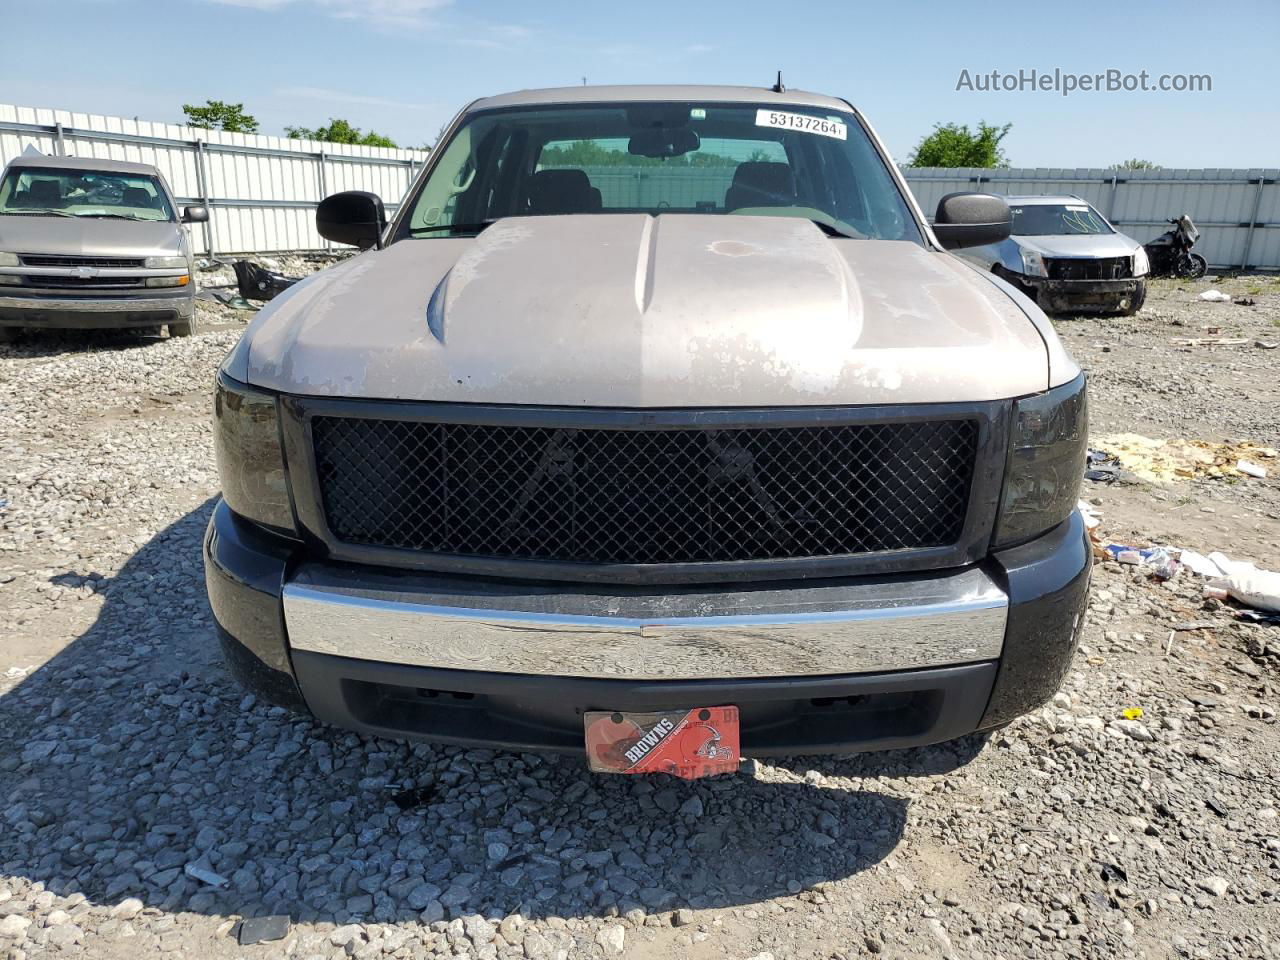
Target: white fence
261, 191
1237, 211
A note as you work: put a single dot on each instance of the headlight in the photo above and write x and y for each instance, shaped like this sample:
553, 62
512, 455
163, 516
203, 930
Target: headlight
165, 263
181, 281
1032, 264
1047, 444
1141, 264
8, 259
247, 443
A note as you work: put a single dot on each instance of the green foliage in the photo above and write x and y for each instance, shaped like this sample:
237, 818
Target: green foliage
216, 115
1135, 164
591, 153
955, 145
340, 131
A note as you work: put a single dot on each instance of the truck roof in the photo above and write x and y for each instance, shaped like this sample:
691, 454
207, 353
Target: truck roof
679, 93
83, 163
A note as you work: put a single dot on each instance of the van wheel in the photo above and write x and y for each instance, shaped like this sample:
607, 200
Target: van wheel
187, 328
1137, 300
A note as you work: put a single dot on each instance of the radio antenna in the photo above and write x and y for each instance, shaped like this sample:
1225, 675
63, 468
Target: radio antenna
777, 86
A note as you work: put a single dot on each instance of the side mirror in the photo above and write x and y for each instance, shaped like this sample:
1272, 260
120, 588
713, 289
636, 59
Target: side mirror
971, 220
353, 216
196, 214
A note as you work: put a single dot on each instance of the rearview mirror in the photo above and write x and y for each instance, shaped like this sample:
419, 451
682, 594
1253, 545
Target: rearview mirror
195, 214
670, 142
971, 220
353, 216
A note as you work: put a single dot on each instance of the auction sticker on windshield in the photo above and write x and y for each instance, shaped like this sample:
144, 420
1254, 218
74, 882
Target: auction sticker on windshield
799, 121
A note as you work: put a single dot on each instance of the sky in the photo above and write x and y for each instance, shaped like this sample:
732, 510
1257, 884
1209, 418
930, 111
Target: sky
404, 67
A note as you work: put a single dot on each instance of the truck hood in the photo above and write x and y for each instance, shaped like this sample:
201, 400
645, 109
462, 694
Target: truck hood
623, 310
89, 236
1080, 245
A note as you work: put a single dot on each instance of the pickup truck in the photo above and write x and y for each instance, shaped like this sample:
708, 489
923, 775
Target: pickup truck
88, 243
656, 412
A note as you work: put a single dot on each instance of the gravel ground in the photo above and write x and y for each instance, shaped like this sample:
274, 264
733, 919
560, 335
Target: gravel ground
149, 805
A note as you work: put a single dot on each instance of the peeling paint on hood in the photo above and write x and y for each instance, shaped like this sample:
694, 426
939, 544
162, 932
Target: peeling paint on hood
636, 311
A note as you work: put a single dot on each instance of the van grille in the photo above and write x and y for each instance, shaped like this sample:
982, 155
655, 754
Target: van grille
644, 496
1084, 268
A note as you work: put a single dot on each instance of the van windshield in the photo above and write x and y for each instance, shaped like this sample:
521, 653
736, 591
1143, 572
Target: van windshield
46, 191
661, 157
1056, 219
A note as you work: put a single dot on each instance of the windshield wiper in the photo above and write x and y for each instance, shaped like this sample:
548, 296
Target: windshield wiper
37, 213
112, 216
472, 228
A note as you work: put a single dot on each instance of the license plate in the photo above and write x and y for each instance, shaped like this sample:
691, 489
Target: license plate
684, 743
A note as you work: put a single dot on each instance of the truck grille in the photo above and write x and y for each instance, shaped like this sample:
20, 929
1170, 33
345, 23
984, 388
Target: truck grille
1081, 268
41, 260
83, 283
644, 496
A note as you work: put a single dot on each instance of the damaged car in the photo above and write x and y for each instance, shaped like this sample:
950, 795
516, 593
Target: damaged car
88, 243
659, 426
1064, 255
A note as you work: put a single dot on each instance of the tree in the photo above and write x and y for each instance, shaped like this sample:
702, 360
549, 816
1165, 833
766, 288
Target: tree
340, 131
593, 153
216, 115
955, 145
1135, 164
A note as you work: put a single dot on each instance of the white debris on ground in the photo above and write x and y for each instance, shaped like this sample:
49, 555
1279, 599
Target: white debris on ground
150, 806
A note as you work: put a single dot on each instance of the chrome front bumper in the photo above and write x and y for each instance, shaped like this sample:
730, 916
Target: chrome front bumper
833, 628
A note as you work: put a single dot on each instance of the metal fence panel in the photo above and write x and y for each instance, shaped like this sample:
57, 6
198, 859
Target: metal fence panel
261, 190
1237, 211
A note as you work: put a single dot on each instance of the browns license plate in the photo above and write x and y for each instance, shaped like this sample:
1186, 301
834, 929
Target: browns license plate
684, 743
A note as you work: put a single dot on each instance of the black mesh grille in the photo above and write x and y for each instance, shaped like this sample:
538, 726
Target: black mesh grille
644, 496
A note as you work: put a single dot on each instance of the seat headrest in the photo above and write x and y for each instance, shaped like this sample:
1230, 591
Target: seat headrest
135, 197
560, 191
45, 192
761, 183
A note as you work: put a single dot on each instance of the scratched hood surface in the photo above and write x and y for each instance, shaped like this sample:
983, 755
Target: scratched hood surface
636, 311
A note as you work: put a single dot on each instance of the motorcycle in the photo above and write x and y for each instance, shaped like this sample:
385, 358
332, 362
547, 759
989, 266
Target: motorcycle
1170, 253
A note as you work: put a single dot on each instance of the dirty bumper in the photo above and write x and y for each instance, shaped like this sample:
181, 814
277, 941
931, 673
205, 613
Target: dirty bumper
94, 312
1084, 295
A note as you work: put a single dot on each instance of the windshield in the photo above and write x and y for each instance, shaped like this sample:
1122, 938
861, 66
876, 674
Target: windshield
1056, 219
661, 157
45, 191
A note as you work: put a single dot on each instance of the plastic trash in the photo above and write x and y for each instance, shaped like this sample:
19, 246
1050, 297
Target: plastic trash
228, 298
253, 930
197, 872
258, 283
1132, 713
1161, 561
1251, 469
1244, 582
1092, 518
1101, 466
1199, 564
1215, 296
